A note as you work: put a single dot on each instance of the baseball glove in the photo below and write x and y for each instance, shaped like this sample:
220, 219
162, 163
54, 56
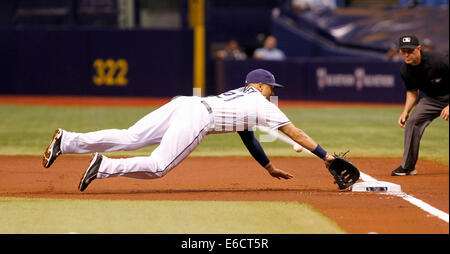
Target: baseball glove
344, 172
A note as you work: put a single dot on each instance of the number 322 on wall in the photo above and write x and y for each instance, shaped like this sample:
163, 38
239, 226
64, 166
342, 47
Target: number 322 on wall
110, 72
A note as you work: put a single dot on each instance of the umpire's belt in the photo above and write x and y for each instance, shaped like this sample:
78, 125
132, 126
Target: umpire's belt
207, 106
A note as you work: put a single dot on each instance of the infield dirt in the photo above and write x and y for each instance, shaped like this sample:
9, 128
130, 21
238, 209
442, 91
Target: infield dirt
240, 178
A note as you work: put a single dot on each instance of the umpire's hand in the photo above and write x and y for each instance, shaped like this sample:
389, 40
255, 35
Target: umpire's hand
402, 119
444, 113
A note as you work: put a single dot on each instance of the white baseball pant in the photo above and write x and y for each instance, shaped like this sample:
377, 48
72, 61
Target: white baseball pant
179, 126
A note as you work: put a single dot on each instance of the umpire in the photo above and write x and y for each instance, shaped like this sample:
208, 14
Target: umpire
427, 72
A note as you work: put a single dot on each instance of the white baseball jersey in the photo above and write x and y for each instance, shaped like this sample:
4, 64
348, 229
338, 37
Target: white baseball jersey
178, 127
244, 108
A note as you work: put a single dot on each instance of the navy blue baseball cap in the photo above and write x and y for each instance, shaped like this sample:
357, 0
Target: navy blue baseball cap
261, 76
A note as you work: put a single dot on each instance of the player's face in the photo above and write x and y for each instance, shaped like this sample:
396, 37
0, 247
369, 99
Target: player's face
267, 91
411, 56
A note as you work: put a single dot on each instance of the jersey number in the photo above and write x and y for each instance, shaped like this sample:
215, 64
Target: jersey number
228, 96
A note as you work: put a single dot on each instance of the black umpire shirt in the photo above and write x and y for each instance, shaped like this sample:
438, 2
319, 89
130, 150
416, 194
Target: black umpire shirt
431, 76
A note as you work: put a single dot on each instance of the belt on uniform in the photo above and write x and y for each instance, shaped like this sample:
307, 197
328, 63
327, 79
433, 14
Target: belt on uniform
207, 106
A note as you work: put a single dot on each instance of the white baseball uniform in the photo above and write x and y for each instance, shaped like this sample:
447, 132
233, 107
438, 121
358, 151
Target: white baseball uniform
179, 126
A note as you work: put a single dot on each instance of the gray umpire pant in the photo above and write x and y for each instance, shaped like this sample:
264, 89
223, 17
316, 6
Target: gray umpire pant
425, 111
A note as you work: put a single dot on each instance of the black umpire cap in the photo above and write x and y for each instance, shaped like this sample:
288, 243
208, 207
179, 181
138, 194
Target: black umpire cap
408, 42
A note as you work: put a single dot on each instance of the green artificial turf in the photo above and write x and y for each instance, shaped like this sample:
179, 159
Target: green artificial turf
365, 131
62, 216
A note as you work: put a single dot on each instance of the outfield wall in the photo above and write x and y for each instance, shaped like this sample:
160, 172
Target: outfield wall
322, 79
96, 62
158, 63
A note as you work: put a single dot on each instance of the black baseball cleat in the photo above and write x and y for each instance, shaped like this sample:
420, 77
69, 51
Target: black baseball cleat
91, 172
53, 150
403, 172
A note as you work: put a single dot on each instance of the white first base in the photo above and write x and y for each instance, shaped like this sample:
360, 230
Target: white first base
375, 186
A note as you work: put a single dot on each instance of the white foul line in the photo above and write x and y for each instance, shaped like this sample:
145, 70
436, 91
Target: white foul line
426, 207
417, 202
366, 178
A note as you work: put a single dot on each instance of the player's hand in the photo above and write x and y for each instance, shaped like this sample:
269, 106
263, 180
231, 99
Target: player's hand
402, 119
277, 173
444, 113
328, 160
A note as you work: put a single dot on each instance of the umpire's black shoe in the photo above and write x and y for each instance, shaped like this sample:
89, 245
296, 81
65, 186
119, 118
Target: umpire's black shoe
53, 150
91, 172
403, 172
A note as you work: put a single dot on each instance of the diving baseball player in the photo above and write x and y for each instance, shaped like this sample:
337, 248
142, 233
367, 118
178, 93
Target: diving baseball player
178, 127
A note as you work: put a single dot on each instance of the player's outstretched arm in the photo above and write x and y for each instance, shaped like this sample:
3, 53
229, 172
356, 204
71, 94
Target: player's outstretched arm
344, 173
307, 142
298, 136
255, 149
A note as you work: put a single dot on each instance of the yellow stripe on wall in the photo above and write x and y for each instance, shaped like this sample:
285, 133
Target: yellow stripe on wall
196, 20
